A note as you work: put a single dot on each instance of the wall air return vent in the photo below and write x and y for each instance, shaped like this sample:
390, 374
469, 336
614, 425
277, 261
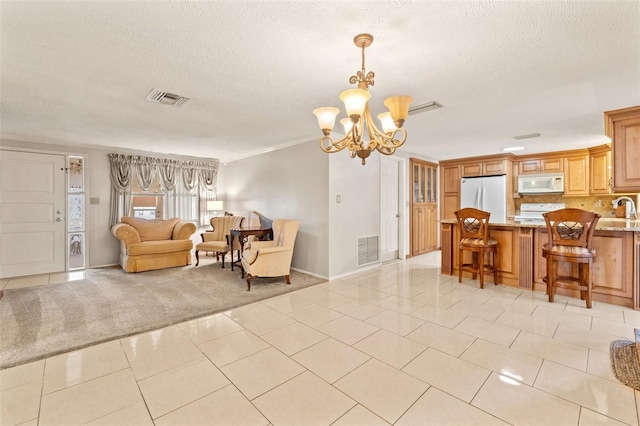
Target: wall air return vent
166, 98
368, 250
429, 106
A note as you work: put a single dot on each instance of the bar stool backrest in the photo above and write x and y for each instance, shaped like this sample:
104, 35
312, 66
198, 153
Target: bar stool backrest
571, 227
473, 223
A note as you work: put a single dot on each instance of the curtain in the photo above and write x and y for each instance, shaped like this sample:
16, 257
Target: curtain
168, 175
208, 178
190, 172
120, 187
189, 178
145, 171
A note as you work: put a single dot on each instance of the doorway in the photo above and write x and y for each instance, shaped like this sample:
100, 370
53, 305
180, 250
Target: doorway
32, 213
389, 209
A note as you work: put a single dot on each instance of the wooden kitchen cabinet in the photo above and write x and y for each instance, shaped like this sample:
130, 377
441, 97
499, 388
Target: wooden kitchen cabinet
611, 272
451, 171
576, 175
450, 190
600, 170
623, 128
424, 207
484, 168
507, 260
540, 165
424, 238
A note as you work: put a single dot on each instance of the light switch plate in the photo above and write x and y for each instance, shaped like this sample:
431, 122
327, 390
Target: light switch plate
94, 200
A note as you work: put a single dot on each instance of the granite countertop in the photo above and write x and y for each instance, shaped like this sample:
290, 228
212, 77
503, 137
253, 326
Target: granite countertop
604, 224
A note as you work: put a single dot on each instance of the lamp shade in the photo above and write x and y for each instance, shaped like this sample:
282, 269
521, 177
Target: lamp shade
215, 205
399, 108
388, 126
347, 124
326, 117
355, 101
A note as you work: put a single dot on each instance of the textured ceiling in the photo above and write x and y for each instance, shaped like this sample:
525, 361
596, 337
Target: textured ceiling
77, 73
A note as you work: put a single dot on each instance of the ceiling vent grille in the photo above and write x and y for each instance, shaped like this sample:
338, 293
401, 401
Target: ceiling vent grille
429, 106
529, 136
166, 98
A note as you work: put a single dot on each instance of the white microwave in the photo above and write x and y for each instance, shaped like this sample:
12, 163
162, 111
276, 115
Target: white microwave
548, 183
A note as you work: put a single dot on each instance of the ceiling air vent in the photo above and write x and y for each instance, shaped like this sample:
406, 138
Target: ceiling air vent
166, 98
529, 136
429, 106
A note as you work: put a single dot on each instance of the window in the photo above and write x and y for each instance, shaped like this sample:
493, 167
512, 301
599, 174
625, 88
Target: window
75, 213
147, 204
183, 203
159, 204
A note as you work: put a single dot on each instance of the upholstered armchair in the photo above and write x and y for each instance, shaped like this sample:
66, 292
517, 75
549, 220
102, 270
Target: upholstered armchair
217, 240
271, 258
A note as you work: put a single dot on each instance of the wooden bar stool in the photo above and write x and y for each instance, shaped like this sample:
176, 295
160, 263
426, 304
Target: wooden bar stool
474, 237
570, 236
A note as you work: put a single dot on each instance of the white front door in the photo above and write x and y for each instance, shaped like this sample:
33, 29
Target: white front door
389, 210
32, 213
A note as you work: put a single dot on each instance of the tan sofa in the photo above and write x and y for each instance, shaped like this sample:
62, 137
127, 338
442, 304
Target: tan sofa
153, 244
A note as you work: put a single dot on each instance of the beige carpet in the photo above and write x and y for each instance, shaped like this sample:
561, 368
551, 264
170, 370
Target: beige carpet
38, 322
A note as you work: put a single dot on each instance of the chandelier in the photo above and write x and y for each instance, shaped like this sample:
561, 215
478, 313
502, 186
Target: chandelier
386, 141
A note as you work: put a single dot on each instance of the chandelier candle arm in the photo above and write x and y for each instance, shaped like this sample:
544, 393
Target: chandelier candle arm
359, 120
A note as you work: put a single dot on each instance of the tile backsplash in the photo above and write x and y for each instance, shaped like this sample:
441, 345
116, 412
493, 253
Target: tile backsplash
600, 204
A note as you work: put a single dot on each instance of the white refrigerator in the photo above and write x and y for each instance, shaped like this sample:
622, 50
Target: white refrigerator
488, 193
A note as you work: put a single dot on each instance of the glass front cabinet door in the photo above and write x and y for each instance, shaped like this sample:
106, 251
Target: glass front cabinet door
424, 206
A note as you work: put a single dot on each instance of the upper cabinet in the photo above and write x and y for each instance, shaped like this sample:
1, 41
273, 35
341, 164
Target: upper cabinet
540, 165
451, 171
623, 127
484, 168
424, 178
600, 170
576, 174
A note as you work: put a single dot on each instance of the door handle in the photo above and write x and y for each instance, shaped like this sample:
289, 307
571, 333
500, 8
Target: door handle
58, 219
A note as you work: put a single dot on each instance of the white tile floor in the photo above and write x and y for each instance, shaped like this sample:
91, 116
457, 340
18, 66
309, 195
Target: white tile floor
400, 344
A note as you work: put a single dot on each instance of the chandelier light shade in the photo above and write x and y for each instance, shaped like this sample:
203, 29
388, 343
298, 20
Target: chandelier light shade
359, 121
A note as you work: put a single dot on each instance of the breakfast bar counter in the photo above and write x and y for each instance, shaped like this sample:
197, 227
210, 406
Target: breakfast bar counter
615, 270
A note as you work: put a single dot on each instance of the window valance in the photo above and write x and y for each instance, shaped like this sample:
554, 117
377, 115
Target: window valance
190, 173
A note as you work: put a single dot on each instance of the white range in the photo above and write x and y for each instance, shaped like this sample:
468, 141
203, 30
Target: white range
532, 212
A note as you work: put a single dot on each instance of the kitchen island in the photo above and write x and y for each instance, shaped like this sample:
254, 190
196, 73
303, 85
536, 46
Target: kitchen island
615, 271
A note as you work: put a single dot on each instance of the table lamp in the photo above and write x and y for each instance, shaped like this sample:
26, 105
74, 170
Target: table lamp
215, 206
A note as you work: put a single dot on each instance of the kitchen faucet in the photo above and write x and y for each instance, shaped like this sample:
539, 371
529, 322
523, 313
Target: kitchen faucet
631, 207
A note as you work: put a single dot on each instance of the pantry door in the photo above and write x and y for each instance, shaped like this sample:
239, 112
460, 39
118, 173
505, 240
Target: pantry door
32, 213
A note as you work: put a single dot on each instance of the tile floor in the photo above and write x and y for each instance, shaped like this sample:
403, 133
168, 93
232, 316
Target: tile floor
400, 344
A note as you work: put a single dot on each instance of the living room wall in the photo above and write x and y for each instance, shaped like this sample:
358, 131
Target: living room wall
357, 214
288, 183
298, 182
302, 182
102, 247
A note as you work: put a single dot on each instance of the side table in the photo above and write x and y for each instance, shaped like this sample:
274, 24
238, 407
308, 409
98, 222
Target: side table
243, 233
